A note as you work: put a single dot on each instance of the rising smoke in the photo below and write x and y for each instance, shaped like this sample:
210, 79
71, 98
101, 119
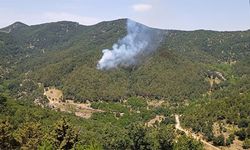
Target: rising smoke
139, 42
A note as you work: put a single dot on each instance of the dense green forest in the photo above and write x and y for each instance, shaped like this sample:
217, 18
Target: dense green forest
65, 55
228, 105
26, 126
202, 75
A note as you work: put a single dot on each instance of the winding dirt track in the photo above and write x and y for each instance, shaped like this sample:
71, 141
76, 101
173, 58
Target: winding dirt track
207, 145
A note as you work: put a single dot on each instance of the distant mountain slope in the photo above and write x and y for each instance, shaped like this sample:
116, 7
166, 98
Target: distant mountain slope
65, 54
13, 27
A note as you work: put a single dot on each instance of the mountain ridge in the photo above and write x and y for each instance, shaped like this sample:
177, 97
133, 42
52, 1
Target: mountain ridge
15, 26
124, 19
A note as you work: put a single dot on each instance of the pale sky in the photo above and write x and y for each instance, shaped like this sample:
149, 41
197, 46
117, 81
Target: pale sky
167, 14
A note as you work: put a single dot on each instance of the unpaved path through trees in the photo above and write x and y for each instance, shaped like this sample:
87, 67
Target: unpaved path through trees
207, 145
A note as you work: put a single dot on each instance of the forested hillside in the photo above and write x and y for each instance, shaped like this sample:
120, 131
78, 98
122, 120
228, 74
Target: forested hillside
65, 55
202, 75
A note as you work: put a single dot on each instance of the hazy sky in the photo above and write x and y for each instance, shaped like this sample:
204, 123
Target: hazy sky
168, 14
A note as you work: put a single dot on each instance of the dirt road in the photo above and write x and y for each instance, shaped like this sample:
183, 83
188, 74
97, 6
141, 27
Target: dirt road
207, 145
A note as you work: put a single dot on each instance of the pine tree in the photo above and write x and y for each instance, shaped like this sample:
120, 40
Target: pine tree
166, 136
3, 100
7, 140
29, 135
186, 143
64, 136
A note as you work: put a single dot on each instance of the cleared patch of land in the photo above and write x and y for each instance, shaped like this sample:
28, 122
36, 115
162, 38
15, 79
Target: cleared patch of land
56, 102
158, 119
155, 103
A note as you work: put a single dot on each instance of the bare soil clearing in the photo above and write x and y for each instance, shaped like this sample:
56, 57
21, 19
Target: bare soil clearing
155, 103
154, 121
55, 98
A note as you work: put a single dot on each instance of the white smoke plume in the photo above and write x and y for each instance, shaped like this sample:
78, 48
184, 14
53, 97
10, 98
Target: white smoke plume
139, 42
